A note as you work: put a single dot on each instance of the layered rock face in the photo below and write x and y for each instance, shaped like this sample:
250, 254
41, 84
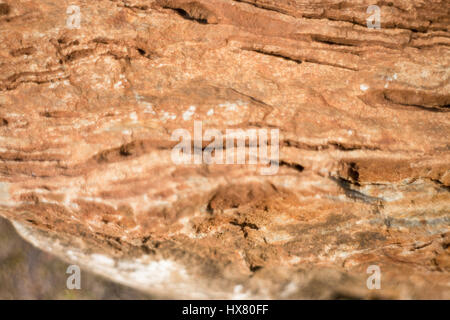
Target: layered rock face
89, 108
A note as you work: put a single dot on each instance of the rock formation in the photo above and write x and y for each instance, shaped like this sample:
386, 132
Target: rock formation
88, 109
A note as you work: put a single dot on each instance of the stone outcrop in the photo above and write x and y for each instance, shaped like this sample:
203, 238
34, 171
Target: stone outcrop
87, 116
27, 272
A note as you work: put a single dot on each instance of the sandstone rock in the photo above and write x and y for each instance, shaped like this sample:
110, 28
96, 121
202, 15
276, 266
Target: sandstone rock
30, 273
87, 115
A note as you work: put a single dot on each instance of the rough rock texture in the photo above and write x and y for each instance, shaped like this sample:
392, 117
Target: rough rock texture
29, 273
86, 117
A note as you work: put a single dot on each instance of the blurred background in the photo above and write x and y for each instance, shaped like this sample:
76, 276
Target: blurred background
29, 273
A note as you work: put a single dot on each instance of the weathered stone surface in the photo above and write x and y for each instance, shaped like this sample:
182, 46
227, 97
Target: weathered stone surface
29, 273
86, 118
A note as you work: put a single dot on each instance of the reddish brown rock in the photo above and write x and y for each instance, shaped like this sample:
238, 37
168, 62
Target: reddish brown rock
87, 115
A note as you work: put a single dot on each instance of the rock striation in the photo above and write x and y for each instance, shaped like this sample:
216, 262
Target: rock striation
90, 99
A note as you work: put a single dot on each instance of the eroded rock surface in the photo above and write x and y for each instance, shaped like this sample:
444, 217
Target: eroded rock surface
87, 114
